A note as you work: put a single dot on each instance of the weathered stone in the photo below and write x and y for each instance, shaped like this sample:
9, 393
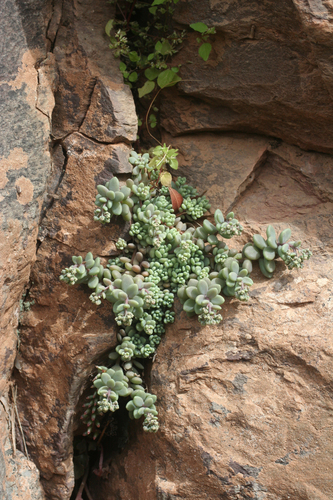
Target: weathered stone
40, 69
87, 165
111, 116
64, 335
91, 96
270, 72
24, 168
246, 407
230, 162
24, 163
19, 477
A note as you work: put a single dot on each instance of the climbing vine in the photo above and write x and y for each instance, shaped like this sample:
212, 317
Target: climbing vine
142, 36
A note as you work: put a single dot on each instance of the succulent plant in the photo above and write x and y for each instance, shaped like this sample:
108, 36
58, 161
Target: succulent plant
126, 349
150, 423
113, 200
229, 227
202, 298
164, 255
142, 403
237, 281
267, 251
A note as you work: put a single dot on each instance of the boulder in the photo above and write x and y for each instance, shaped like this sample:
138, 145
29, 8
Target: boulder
270, 72
245, 407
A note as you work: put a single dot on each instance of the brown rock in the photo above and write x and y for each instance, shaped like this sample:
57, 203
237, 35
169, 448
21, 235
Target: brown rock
46, 65
64, 335
19, 477
24, 165
111, 115
90, 89
269, 72
246, 407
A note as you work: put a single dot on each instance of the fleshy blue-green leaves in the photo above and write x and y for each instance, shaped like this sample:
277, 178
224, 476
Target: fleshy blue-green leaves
161, 255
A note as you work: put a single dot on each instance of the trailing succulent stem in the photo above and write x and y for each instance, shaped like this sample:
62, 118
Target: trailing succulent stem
169, 251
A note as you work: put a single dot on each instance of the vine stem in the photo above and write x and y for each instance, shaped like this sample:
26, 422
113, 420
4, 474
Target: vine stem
147, 115
84, 480
130, 14
88, 492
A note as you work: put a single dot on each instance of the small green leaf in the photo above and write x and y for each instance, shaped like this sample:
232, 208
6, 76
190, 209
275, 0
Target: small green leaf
133, 77
174, 164
158, 2
158, 47
167, 79
108, 27
146, 89
165, 48
152, 73
204, 51
151, 56
166, 179
200, 27
152, 10
134, 56
122, 66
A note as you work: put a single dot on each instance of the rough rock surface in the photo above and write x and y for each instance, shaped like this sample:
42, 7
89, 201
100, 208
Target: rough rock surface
246, 407
64, 336
19, 477
24, 166
26, 103
270, 71
56, 77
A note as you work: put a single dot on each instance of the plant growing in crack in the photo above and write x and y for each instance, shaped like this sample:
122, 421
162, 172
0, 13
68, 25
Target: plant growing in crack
171, 250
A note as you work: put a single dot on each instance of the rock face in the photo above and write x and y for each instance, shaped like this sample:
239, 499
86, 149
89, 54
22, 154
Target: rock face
58, 79
246, 407
270, 71
24, 167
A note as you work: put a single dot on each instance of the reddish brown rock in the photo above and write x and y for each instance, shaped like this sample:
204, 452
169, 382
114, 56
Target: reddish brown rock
19, 477
47, 64
246, 407
269, 72
111, 115
24, 166
90, 93
64, 335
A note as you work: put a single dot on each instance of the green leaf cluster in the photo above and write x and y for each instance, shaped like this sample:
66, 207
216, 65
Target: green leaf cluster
146, 48
205, 32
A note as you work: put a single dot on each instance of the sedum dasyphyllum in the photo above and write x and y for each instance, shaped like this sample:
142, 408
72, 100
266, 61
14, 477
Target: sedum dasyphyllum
169, 251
